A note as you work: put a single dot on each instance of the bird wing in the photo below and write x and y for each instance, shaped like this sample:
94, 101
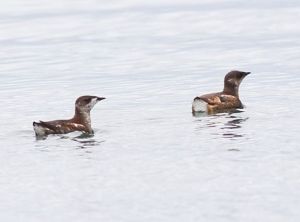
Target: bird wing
62, 126
217, 98
211, 99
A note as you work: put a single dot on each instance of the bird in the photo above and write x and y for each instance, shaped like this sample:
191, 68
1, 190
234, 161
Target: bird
81, 120
223, 101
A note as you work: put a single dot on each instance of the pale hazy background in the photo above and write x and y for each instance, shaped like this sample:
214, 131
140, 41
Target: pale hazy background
150, 159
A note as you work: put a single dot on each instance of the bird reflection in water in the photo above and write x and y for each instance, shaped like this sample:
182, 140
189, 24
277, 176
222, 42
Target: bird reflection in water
84, 140
235, 123
226, 125
84, 144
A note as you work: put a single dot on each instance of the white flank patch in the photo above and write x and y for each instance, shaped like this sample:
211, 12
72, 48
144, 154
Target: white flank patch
199, 105
39, 131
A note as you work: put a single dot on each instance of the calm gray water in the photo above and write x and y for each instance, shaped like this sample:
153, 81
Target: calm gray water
150, 159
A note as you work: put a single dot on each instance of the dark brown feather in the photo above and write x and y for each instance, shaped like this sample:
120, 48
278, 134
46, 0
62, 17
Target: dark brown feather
228, 99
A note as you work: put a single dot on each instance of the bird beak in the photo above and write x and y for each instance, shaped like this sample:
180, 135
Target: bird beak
100, 98
247, 73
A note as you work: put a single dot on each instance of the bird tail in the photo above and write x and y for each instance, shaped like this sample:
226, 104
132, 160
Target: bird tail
39, 130
199, 105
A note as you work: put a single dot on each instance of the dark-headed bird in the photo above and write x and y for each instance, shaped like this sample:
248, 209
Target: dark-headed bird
80, 122
223, 101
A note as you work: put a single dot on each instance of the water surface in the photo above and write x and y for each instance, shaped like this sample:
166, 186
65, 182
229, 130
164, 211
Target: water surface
150, 159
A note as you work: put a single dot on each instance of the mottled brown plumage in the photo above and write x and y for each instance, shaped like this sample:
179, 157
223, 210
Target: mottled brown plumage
80, 122
223, 101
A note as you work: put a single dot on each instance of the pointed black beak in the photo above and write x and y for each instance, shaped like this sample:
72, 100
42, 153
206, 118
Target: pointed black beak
247, 73
100, 98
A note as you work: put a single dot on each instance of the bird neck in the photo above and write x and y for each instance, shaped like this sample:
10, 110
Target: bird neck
231, 90
82, 117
